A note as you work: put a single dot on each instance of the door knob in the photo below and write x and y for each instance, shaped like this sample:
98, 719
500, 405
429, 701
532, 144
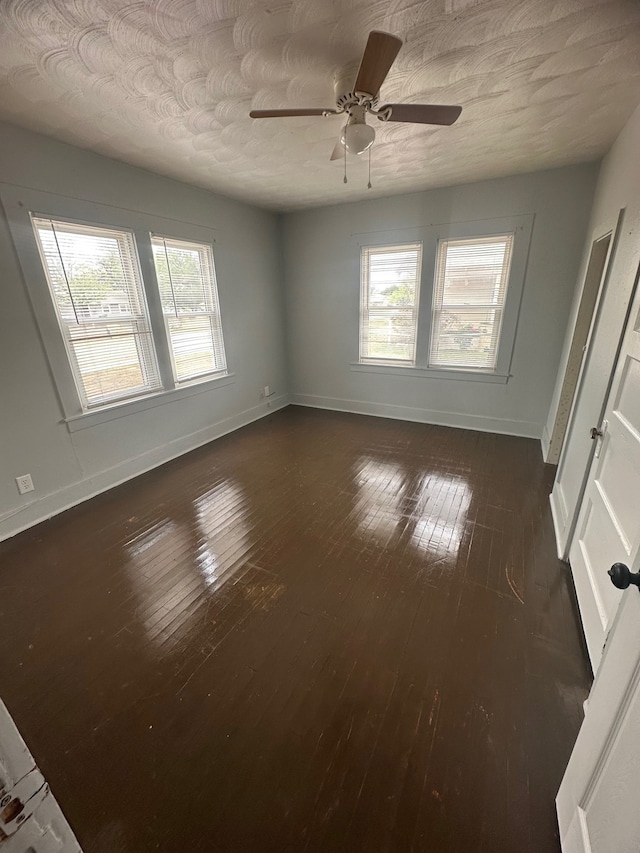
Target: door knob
622, 577
596, 433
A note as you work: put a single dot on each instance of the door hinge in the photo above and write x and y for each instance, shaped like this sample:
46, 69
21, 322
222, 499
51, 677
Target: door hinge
19, 802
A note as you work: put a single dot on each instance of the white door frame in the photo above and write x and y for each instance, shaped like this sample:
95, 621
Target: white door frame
599, 257
565, 518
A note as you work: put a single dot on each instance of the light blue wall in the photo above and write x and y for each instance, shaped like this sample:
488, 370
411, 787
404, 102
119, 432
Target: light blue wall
321, 264
68, 467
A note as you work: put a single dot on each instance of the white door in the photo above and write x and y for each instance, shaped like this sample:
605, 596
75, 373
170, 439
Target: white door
608, 526
598, 799
30, 819
609, 318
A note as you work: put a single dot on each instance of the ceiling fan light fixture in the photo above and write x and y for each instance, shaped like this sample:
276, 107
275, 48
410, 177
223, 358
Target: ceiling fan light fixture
357, 137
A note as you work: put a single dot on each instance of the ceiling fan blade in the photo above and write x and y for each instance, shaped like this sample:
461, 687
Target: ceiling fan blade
377, 59
423, 113
283, 113
338, 151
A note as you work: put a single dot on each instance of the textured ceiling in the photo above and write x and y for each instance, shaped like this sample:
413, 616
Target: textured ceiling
168, 85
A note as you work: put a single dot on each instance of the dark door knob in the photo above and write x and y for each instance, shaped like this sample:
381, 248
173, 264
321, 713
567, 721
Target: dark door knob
595, 433
622, 577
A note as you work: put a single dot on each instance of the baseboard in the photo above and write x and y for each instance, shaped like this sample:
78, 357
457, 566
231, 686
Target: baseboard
524, 429
74, 494
545, 441
558, 525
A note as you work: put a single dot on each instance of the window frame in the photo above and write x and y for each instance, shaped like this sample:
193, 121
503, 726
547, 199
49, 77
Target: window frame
364, 304
20, 205
66, 328
215, 314
437, 309
521, 226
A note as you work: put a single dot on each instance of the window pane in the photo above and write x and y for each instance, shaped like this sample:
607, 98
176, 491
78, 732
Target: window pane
97, 291
469, 295
109, 364
188, 291
191, 340
390, 284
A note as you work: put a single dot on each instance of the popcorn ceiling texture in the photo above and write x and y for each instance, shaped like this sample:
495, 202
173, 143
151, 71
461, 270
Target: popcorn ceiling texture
168, 85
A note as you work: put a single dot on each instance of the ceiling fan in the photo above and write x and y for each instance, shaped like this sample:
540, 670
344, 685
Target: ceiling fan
357, 136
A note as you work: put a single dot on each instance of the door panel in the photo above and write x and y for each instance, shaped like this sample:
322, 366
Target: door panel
627, 404
616, 487
598, 541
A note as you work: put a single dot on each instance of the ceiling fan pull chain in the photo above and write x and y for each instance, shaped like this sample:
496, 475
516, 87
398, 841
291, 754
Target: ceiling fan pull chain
369, 184
345, 165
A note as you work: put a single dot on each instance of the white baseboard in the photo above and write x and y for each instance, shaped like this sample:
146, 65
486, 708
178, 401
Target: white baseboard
524, 429
545, 440
56, 502
558, 525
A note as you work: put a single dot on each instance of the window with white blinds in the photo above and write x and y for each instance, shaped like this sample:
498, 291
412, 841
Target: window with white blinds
189, 296
389, 295
470, 291
97, 291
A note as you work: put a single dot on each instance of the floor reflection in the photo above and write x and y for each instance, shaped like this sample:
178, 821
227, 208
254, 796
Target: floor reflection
222, 521
430, 508
163, 580
440, 514
175, 566
380, 491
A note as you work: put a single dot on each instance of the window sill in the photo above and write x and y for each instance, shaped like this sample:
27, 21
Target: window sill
430, 372
124, 408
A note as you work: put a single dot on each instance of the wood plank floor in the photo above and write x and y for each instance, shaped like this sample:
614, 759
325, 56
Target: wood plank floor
324, 632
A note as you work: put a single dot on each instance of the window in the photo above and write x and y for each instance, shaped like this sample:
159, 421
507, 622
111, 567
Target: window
189, 297
97, 292
470, 291
465, 329
390, 288
126, 334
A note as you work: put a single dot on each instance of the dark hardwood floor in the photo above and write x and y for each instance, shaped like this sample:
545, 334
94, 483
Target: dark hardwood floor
324, 632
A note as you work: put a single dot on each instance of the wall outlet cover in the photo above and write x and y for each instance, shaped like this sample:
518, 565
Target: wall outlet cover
24, 483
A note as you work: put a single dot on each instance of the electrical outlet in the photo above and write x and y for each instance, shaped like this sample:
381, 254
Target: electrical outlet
266, 391
24, 484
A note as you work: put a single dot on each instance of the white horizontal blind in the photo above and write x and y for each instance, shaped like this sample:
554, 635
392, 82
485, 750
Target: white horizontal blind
95, 283
389, 294
189, 295
469, 296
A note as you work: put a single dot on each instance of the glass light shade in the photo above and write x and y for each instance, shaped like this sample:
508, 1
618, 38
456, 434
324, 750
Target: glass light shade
357, 137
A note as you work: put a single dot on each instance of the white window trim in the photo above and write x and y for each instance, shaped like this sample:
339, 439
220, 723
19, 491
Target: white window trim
364, 299
149, 401
416, 372
20, 203
216, 315
521, 226
65, 330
